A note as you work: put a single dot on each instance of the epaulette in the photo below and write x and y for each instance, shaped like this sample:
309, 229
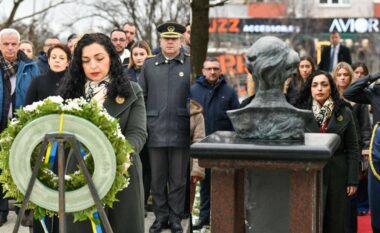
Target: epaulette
150, 56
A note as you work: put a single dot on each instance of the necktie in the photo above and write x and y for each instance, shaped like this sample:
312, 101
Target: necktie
332, 56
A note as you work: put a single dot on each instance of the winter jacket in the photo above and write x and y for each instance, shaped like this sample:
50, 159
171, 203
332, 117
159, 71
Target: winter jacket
42, 62
216, 100
197, 133
27, 70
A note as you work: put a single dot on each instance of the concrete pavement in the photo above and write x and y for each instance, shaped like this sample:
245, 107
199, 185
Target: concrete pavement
8, 226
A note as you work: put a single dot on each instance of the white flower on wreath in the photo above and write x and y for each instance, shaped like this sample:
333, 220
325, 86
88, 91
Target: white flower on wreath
33, 107
6, 139
71, 106
55, 99
103, 112
13, 122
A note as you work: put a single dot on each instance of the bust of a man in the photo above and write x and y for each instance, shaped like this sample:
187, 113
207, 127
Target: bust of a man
269, 116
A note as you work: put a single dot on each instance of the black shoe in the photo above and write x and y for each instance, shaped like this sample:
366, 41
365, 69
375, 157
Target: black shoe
362, 213
185, 215
200, 225
149, 207
3, 220
176, 227
27, 219
158, 226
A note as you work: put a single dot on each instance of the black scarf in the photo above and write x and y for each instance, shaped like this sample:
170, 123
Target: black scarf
9, 70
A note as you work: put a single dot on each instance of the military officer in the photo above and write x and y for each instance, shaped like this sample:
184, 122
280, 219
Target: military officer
165, 80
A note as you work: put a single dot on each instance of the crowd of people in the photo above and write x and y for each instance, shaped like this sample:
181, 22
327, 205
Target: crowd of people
161, 114
138, 88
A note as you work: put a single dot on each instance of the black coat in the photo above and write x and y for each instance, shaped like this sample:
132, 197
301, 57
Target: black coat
361, 92
166, 87
43, 86
341, 170
363, 124
127, 214
343, 55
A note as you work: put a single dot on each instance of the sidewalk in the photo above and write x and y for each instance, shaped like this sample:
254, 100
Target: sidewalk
8, 227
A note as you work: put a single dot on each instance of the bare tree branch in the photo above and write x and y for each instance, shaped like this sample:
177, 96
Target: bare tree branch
11, 19
221, 3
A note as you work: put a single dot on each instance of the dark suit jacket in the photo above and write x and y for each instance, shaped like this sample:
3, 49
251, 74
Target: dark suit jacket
343, 55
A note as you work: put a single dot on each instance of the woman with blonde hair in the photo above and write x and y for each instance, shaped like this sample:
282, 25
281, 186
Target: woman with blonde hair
343, 76
140, 51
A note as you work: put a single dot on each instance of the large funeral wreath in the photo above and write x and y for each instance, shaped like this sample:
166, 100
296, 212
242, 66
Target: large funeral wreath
21, 143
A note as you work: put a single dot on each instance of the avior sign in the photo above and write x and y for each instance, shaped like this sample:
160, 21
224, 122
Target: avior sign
355, 25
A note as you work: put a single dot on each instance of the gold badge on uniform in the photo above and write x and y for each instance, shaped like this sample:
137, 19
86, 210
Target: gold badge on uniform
181, 74
340, 118
171, 28
119, 99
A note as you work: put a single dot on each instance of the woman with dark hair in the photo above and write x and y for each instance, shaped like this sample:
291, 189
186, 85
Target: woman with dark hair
340, 175
295, 84
140, 50
47, 84
360, 69
96, 73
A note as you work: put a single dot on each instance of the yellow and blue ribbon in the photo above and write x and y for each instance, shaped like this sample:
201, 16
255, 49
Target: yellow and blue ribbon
95, 223
50, 155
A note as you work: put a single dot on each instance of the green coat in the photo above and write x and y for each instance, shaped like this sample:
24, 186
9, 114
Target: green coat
341, 170
127, 215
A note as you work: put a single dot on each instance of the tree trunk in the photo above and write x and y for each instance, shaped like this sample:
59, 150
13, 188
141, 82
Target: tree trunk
199, 38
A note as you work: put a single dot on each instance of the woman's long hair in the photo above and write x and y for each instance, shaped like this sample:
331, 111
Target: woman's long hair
73, 83
142, 45
305, 100
300, 81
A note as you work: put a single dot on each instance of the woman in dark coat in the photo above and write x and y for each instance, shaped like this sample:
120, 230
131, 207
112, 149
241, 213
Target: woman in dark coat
47, 84
340, 175
97, 73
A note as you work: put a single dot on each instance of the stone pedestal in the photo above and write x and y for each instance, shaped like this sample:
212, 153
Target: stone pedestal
265, 186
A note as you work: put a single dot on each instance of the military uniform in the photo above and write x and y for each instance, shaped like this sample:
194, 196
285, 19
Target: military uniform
166, 86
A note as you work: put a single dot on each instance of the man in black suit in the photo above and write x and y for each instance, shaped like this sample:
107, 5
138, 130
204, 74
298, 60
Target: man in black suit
333, 54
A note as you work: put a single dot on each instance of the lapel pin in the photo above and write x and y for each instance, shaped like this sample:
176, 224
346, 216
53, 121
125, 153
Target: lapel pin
340, 118
119, 99
181, 74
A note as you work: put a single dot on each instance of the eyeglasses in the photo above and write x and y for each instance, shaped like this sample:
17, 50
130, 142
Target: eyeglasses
118, 39
212, 68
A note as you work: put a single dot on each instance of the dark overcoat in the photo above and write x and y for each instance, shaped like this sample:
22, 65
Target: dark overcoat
341, 170
166, 87
127, 215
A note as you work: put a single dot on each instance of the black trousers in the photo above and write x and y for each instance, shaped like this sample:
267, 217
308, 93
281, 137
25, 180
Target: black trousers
169, 173
4, 207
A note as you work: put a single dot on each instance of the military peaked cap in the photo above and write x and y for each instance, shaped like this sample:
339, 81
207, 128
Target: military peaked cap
171, 30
